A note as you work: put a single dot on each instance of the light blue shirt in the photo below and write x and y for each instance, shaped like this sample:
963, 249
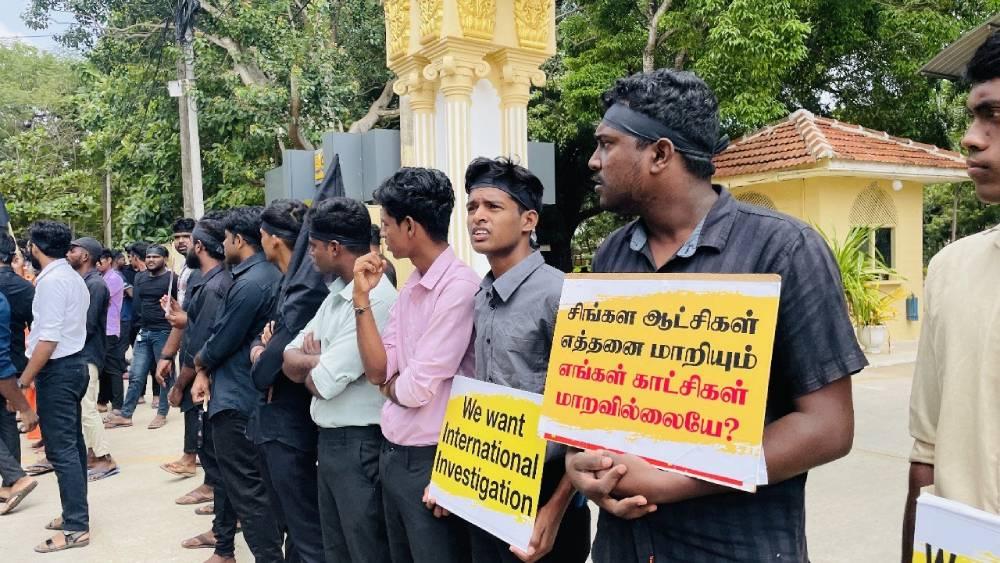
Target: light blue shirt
346, 397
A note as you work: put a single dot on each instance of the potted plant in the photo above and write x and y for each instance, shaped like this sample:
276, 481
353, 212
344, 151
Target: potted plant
862, 267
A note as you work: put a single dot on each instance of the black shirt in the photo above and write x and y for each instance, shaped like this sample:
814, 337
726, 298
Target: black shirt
146, 293
814, 346
285, 417
95, 346
205, 294
241, 317
19, 293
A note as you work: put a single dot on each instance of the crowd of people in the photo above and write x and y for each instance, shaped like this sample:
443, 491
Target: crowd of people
313, 390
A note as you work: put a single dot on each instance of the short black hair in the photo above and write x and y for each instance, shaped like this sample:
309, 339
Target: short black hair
8, 248
985, 63
212, 224
285, 214
245, 222
183, 225
138, 249
107, 253
346, 216
51, 237
511, 173
425, 194
376, 236
678, 99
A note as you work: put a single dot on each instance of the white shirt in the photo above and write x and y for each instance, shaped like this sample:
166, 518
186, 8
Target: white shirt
59, 310
347, 397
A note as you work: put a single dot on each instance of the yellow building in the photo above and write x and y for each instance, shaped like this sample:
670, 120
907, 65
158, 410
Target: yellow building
837, 175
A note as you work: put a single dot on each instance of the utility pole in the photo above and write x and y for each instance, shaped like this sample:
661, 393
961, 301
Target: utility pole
193, 195
107, 209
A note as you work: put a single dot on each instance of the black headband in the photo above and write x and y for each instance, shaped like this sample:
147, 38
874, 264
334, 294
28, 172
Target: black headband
157, 249
343, 239
207, 239
278, 231
520, 193
642, 126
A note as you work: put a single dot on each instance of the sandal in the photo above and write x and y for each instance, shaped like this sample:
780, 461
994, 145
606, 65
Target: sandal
41, 468
72, 539
16, 498
206, 540
98, 474
55, 524
206, 510
192, 498
174, 469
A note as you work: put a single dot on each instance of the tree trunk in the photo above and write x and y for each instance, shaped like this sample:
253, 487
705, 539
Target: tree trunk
378, 110
652, 36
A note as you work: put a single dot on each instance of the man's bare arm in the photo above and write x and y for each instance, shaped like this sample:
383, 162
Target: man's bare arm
921, 475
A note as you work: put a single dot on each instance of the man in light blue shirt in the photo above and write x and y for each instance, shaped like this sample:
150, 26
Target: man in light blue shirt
345, 406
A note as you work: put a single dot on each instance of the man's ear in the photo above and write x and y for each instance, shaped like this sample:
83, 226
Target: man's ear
663, 153
529, 220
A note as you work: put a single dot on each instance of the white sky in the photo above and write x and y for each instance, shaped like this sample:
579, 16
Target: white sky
13, 28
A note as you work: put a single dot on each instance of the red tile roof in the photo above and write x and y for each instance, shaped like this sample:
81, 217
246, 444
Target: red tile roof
803, 139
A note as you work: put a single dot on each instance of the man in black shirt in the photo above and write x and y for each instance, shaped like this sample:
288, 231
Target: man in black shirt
83, 254
222, 378
283, 429
147, 290
654, 159
19, 293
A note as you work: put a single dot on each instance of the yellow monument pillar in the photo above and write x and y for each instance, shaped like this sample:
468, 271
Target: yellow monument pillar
465, 70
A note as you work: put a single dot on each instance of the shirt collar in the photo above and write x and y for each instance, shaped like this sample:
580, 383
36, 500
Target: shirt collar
204, 279
245, 265
93, 272
441, 265
52, 266
507, 284
712, 231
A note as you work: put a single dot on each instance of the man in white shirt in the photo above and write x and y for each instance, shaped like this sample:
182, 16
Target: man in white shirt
59, 372
345, 406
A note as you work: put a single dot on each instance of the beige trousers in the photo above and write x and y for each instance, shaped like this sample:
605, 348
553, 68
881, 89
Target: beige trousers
93, 425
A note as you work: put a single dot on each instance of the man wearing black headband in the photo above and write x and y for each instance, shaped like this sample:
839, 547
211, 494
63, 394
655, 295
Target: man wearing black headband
222, 367
282, 429
515, 312
148, 289
653, 159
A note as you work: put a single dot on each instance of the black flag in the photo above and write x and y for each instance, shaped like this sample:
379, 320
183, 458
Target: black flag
302, 290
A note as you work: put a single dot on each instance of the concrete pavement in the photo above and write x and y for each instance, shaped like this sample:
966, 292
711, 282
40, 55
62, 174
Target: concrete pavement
854, 505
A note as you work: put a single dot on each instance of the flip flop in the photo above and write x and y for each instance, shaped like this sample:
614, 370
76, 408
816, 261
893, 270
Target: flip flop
190, 499
37, 469
98, 474
157, 423
198, 542
112, 424
171, 468
206, 510
75, 539
16, 498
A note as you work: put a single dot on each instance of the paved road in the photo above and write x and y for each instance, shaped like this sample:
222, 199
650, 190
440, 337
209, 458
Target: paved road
854, 505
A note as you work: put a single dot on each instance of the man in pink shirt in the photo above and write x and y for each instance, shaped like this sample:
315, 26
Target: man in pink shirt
427, 341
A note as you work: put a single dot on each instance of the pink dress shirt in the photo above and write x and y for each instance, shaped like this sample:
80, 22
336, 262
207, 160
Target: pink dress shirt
428, 340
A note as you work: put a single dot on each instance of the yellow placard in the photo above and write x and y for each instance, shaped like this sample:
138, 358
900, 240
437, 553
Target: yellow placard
673, 368
488, 464
948, 531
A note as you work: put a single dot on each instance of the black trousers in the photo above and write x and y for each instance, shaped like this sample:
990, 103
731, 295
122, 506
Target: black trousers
290, 476
239, 467
192, 425
224, 520
415, 535
572, 543
350, 495
111, 389
61, 385
10, 448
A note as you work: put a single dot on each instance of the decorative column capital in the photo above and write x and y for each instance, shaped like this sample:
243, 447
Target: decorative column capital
458, 75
